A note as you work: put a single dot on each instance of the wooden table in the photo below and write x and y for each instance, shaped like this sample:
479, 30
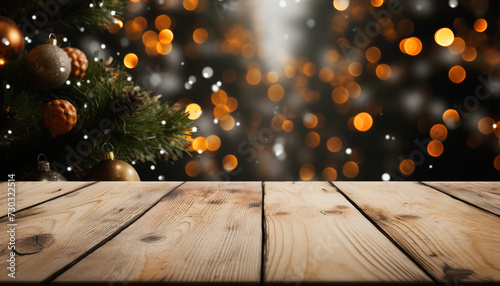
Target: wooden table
297, 233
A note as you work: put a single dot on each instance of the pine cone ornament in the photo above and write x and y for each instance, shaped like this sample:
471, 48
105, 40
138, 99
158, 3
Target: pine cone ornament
9, 114
107, 66
131, 101
59, 116
79, 62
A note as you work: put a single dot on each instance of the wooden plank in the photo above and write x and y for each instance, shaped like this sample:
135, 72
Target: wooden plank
485, 195
202, 232
54, 234
316, 235
31, 193
453, 241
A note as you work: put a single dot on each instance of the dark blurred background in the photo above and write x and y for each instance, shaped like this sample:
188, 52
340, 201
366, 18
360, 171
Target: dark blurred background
313, 90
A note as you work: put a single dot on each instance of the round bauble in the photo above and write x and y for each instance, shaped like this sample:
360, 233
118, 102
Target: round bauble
48, 65
11, 41
59, 116
111, 169
43, 173
79, 62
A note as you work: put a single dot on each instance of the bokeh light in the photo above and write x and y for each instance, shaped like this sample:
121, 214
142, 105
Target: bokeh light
306, 172
439, 132
334, 144
457, 74
444, 37
329, 174
480, 25
194, 111
363, 121
230, 162
130, 60
350, 169
383, 71
435, 148
407, 167
341, 5
451, 117
193, 168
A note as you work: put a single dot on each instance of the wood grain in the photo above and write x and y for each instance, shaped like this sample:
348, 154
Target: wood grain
31, 193
54, 234
485, 195
202, 232
453, 241
316, 235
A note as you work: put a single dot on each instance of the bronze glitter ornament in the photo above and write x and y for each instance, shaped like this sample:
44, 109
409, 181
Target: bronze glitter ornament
11, 41
79, 62
43, 173
48, 65
111, 169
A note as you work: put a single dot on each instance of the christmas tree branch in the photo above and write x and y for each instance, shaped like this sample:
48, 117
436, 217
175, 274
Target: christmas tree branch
32, 15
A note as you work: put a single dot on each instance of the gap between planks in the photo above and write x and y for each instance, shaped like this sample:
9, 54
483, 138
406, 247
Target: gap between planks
50, 199
459, 199
105, 240
385, 233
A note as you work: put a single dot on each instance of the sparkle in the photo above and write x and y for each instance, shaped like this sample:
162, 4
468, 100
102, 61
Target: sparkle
82, 29
7, 86
85, 105
9, 131
129, 78
96, 59
216, 121
65, 39
162, 151
103, 46
79, 84
161, 178
199, 152
69, 169
152, 167
215, 88
494, 125
62, 69
219, 84
207, 72
68, 82
430, 166
237, 123
386, 177
113, 13
85, 137
91, 5
33, 17
163, 122
387, 137
348, 151
195, 129
133, 162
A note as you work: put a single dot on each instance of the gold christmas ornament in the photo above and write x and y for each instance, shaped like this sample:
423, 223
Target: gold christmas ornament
43, 173
79, 62
111, 169
11, 41
48, 65
59, 116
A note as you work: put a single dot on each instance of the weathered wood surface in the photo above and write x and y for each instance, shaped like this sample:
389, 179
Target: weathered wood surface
453, 241
201, 232
315, 234
31, 193
56, 233
485, 195
212, 232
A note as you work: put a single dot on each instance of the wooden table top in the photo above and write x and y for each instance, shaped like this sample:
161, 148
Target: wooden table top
297, 233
